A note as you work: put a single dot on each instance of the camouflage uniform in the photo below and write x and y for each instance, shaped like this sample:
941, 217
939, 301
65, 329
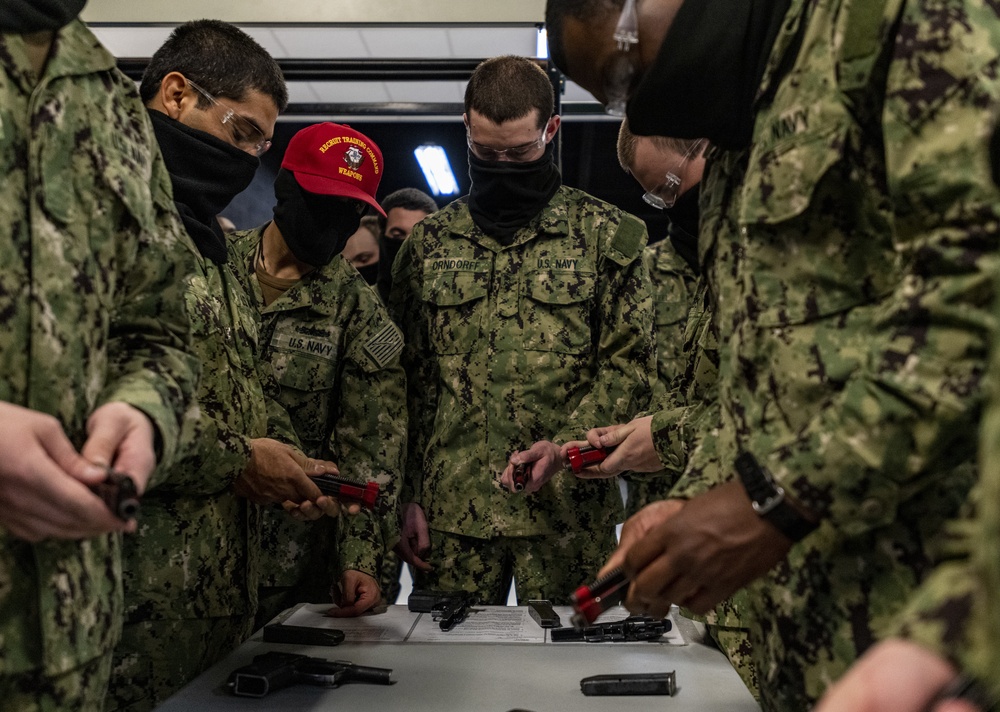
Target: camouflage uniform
956, 612
507, 345
851, 316
90, 294
191, 569
335, 354
674, 285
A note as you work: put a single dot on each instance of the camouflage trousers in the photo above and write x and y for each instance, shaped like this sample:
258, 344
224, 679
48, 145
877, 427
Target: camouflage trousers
735, 643
392, 569
79, 690
549, 567
155, 659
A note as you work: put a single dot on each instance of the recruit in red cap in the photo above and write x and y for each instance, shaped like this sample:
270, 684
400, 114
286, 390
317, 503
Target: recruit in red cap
334, 159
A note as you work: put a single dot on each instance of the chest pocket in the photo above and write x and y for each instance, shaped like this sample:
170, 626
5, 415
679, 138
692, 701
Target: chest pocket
814, 228
303, 358
458, 302
556, 310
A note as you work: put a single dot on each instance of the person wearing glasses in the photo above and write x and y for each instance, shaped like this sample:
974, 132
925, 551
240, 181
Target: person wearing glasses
335, 355
527, 314
96, 363
403, 208
848, 237
670, 171
213, 95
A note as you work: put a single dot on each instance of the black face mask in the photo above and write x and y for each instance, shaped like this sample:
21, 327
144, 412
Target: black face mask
24, 16
683, 230
315, 227
206, 173
506, 195
388, 248
695, 69
369, 272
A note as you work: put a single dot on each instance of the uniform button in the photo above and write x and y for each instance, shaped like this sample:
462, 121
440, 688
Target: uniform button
872, 508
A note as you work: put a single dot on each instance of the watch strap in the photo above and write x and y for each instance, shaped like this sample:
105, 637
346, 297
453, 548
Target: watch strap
768, 499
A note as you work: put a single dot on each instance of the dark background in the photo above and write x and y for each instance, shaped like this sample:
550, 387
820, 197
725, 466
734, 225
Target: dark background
588, 151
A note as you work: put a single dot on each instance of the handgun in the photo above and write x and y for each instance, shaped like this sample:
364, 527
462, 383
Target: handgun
628, 630
590, 601
580, 458
274, 670
119, 493
348, 490
520, 476
449, 608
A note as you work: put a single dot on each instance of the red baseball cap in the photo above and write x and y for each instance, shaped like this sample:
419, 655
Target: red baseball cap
334, 159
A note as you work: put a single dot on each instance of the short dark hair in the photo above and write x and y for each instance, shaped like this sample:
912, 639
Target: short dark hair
628, 145
507, 88
407, 199
219, 57
584, 10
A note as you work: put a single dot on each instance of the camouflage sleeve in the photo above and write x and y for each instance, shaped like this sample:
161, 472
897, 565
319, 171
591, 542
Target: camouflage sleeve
151, 364
908, 411
279, 422
370, 433
626, 349
956, 612
409, 311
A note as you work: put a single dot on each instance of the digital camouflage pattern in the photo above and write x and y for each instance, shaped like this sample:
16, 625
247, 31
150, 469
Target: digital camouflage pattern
686, 395
539, 340
93, 257
334, 352
544, 572
956, 612
853, 308
194, 555
674, 286
83, 688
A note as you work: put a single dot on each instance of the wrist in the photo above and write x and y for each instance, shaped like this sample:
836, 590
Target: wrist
771, 501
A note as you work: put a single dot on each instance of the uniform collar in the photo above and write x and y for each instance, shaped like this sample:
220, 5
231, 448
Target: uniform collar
308, 293
551, 221
75, 51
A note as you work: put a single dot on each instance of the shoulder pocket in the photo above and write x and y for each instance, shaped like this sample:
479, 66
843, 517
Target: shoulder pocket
457, 302
556, 311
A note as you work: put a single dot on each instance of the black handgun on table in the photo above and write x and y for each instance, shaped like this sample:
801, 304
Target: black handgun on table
448, 608
119, 494
274, 670
633, 628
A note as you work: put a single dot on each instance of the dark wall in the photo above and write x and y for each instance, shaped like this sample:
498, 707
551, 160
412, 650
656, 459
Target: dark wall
589, 162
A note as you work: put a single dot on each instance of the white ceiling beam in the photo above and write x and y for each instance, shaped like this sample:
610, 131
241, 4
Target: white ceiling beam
316, 11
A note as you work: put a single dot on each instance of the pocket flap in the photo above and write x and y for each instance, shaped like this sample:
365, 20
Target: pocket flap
560, 286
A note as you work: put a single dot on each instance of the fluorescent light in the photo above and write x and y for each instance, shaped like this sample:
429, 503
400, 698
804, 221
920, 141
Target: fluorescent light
437, 170
542, 44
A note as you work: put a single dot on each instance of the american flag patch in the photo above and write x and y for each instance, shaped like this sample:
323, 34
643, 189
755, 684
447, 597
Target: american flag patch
385, 344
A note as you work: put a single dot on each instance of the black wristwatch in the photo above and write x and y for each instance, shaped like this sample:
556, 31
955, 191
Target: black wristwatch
768, 499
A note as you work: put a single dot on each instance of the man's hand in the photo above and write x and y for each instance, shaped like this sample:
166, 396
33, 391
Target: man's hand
894, 676
359, 593
278, 472
44, 481
633, 449
700, 555
122, 437
415, 539
637, 527
309, 511
544, 459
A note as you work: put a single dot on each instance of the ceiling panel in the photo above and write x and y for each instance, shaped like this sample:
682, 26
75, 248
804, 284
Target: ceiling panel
363, 42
